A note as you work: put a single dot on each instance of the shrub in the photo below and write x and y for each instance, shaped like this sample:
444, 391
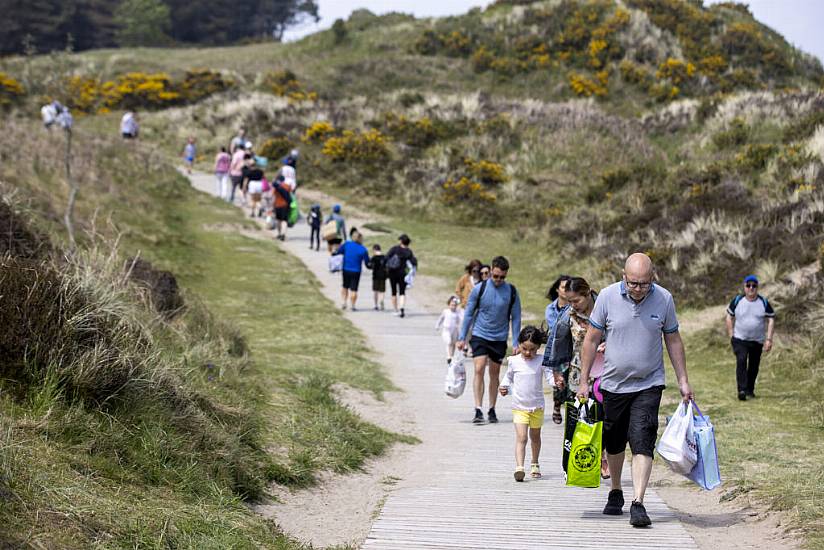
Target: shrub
429, 43
587, 87
11, 91
165, 295
339, 31
486, 171
275, 147
368, 147
417, 133
735, 135
318, 132
755, 157
635, 73
712, 65
140, 90
482, 60
457, 44
675, 71
200, 83
466, 191
285, 83
408, 99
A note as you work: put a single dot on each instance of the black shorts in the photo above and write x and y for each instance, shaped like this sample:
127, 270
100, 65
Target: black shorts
379, 285
492, 349
398, 283
282, 214
351, 280
631, 417
237, 181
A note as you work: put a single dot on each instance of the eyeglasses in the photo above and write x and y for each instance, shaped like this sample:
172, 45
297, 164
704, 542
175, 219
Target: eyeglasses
638, 284
751, 285
498, 277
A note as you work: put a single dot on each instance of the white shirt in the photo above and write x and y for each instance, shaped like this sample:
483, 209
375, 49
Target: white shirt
449, 321
524, 379
290, 176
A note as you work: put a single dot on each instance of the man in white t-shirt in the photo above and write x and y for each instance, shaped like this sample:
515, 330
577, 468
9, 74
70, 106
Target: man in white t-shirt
750, 325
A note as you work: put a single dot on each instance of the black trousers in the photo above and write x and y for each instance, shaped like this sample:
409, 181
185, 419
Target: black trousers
314, 238
747, 361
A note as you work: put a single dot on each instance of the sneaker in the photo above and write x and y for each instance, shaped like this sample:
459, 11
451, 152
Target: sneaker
479, 417
403, 313
615, 503
376, 308
520, 474
353, 308
638, 515
449, 362
491, 416
751, 395
742, 396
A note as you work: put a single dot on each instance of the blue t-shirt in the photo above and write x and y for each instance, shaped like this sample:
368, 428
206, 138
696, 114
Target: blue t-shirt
492, 319
355, 256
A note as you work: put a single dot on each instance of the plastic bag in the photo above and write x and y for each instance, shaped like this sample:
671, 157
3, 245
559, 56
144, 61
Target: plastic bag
705, 472
591, 410
455, 382
294, 212
677, 445
336, 263
584, 463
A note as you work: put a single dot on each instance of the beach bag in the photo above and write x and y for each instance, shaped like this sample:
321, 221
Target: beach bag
584, 463
455, 382
705, 473
677, 445
336, 263
573, 409
294, 212
329, 230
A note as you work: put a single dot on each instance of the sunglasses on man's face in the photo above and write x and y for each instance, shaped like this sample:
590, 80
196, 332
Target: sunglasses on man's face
751, 285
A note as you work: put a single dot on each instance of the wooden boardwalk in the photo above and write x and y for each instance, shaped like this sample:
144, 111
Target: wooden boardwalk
459, 492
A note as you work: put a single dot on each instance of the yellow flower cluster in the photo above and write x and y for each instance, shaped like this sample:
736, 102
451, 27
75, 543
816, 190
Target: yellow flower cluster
587, 87
200, 83
11, 90
366, 147
275, 147
713, 65
466, 191
422, 132
140, 90
675, 70
486, 171
286, 84
634, 73
318, 132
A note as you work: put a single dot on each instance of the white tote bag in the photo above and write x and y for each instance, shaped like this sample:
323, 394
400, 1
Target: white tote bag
336, 263
456, 376
677, 445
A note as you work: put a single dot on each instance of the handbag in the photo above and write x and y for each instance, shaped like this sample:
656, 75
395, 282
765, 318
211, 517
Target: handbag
329, 230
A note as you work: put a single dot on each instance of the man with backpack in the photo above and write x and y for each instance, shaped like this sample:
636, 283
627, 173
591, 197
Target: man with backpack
283, 198
492, 308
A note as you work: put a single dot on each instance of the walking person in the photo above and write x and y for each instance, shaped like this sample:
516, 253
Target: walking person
283, 198
470, 278
557, 319
222, 164
238, 143
236, 173
314, 219
129, 126
355, 256
750, 325
378, 266
634, 314
339, 236
485, 272
189, 154
252, 184
491, 309
524, 381
396, 259
449, 323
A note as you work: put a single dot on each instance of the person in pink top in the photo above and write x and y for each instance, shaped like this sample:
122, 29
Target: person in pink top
222, 164
236, 173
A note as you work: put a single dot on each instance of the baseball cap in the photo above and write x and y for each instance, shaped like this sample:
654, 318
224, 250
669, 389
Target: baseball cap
750, 279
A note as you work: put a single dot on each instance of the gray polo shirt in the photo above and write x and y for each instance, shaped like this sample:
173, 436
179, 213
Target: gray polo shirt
634, 358
750, 317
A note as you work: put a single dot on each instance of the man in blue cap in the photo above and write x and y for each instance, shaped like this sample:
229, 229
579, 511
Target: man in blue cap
750, 325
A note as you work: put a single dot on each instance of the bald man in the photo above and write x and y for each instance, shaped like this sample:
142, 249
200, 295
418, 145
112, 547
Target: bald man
636, 314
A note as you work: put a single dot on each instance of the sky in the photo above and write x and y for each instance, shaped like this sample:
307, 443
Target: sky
800, 21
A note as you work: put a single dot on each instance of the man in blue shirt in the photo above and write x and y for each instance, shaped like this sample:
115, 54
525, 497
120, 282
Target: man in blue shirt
492, 307
355, 256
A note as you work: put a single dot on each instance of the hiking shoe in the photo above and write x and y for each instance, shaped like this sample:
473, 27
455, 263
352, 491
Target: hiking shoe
638, 515
615, 503
403, 313
479, 417
742, 396
491, 416
520, 474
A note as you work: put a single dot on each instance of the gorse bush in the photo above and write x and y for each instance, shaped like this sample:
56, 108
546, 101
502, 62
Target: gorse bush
465, 192
275, 147
200, 83
587, 87
318, 132
369, 147
11, 91
285, 83
486, 171
735, 135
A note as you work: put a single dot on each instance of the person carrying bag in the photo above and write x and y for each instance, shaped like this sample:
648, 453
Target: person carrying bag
455, 382
583, 459
677, 445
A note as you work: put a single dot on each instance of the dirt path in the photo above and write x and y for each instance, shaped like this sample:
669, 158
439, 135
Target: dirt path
457, 483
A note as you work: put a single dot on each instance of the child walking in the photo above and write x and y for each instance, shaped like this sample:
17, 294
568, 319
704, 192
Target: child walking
314, 220
378, 266
449, 323
524, 380
189, 154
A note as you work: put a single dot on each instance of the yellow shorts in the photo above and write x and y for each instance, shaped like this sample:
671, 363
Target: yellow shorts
535, 419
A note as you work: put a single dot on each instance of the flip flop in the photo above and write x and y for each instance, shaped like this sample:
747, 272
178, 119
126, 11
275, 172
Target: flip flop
556, 416
535, 470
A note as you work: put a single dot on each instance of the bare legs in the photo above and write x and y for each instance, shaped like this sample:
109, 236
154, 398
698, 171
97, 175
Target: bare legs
478, 382
641, 470
521, 431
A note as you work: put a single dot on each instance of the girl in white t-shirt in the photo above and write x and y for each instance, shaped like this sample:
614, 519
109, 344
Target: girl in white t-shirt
448, 325
524, 381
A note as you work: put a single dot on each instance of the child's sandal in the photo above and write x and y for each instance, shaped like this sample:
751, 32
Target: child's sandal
519, 473
535, 470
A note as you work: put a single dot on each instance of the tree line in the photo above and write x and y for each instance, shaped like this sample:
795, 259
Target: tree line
41, 26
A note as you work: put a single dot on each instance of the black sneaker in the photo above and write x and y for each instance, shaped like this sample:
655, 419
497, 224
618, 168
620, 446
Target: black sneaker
751, 395
742, 396
403, 313
638, 515
491, 416
615, 503
479, 417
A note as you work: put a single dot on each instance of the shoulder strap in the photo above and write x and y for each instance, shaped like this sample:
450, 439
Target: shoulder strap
513, 292
480, 293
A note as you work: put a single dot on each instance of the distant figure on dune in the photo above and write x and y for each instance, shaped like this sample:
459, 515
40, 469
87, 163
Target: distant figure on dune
129, 126
189, 154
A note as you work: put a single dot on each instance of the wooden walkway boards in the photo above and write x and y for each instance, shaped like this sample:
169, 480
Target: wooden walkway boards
459, 492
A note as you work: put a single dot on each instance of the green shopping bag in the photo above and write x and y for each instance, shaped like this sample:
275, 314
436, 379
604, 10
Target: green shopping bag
294, 212
584, 466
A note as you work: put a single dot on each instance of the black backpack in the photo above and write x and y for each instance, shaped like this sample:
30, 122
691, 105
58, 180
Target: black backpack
512, 294
393, 263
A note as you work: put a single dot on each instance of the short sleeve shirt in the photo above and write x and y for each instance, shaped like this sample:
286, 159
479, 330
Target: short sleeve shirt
634, 358
750, 317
